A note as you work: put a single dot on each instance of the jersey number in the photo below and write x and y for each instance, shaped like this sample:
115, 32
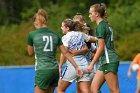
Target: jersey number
49, 43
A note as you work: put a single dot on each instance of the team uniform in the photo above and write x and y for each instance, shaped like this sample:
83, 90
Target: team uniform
45, 43
89, 59
75, 40
136, 60
109, 60
91, 51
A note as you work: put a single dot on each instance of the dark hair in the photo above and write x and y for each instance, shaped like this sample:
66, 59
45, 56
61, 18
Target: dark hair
73, 26
69, 23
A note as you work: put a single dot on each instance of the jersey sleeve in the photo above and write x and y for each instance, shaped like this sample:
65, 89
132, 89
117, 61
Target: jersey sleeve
86, 37
101, 31
65, 40
93, 47
29, 40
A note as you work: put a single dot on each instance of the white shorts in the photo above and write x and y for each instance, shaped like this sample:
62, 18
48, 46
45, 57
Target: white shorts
96, 66
69, 74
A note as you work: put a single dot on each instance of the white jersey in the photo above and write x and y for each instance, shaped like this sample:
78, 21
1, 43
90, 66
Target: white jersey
76, 40
90, 52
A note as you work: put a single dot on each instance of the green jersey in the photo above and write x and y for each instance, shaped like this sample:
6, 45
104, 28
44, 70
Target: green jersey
104, 31
45, 43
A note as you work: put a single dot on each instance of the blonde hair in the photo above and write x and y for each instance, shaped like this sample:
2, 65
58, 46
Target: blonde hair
42, 16
101, 9
79, 17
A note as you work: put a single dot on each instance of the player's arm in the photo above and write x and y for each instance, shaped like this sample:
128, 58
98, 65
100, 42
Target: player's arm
81, 51
135, 61
62, 60
90, 39
69, 57
130, 69
30, 50
97, 54
94, 49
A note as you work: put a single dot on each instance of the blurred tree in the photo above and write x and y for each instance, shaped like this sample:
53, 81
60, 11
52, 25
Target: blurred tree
123, 15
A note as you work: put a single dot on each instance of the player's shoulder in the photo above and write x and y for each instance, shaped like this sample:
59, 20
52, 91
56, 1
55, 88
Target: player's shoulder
64, 37
68, 34
33, 32
54, 32
103, 24
77, 33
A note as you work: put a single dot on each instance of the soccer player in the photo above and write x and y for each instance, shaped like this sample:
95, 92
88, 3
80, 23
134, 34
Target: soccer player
91, 46
44, 42
105, 52
136, 60
74, 39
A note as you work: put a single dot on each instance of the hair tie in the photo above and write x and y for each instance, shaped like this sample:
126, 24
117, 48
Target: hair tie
78, 14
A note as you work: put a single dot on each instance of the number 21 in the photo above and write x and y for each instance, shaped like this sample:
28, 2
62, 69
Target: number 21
49, 43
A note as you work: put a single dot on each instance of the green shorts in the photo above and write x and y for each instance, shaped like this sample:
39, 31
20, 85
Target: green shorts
110, 67
46, 78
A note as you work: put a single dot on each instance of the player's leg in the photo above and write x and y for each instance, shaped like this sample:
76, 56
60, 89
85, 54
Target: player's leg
97, 82
62, 86
112, 82
77, 88
138, 90
84, 81
38, 90
84, 86
68, 76
92, 74
50, 89
111, 77
138, 86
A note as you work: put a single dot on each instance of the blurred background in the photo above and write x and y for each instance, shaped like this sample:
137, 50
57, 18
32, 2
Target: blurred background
16, 22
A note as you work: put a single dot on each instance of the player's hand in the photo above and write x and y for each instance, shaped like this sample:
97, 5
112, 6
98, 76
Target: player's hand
60, 72
79, 72
129, 73
89, 68
73, 52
